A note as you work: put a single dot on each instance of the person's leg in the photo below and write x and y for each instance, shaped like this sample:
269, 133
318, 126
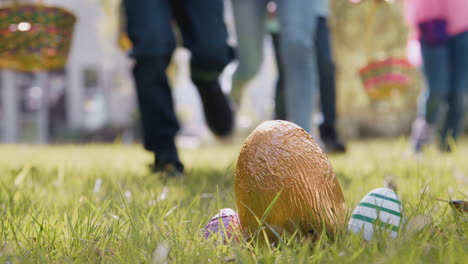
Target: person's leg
298, 26
205, 35
249, 18
436, 69
326, 71
149, 28
280, 104
458, 86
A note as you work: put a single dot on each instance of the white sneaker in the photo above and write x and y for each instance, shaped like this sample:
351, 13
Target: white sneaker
421, 134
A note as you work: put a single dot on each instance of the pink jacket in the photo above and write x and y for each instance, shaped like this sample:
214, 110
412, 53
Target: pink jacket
454, 11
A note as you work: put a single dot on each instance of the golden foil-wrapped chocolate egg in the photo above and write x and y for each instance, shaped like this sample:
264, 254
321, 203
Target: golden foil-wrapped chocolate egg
279, 156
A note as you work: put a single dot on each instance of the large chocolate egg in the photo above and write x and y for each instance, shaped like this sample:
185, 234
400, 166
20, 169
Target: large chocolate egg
279, 156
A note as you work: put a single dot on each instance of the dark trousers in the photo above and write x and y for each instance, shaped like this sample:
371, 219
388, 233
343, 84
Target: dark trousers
326, 73
150, 27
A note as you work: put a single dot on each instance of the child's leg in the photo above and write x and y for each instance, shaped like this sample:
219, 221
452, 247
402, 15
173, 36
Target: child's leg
458, 87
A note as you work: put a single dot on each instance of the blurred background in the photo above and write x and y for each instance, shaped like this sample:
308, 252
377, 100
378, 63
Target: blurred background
92, 98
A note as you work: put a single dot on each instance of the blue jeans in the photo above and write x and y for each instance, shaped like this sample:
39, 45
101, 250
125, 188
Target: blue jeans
445, 70
326, 72
150, 27
297, 46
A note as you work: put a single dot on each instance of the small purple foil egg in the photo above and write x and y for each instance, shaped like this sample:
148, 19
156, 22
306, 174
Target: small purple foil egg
226, 223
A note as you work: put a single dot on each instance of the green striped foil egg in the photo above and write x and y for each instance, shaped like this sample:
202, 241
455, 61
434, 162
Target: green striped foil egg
379, 209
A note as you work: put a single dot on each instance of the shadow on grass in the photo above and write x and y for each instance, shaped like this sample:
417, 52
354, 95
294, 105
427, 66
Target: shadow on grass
209, 180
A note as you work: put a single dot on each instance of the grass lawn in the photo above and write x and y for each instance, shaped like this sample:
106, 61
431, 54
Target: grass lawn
99, 204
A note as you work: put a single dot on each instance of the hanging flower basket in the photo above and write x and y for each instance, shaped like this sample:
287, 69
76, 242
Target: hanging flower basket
383, 78
35, 37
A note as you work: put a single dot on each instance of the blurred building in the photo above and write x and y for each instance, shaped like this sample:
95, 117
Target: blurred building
93, 90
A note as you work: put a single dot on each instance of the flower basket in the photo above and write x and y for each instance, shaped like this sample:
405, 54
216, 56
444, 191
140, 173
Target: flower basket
35, 36
383, 78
